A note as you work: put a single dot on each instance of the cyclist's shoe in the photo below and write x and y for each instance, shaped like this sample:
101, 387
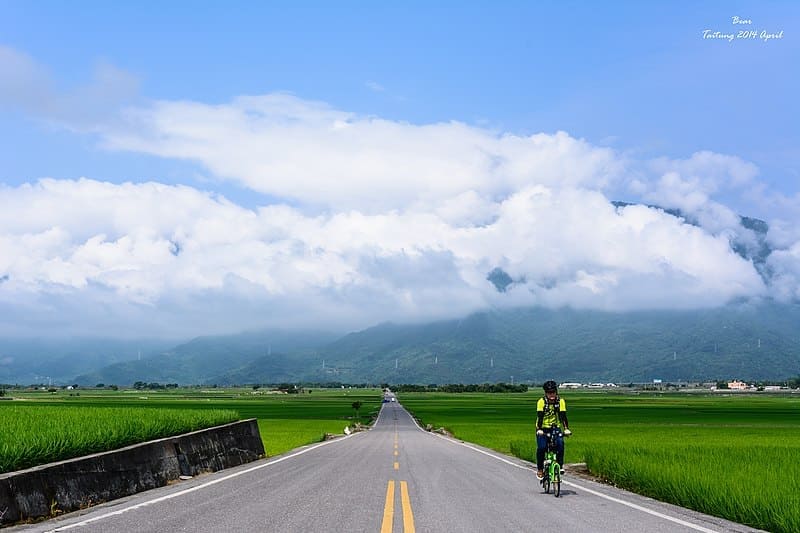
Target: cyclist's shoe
539, 474
562, 471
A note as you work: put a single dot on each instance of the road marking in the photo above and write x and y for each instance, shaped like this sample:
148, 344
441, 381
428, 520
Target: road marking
388, 509
577, 486
396, 453
197, 487
600, 494
408, 516
396, 465
640, 508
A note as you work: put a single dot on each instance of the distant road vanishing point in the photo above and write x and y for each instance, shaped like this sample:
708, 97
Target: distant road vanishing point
395, 477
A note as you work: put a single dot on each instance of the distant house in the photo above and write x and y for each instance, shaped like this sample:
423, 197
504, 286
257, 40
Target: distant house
737, 385
571, 385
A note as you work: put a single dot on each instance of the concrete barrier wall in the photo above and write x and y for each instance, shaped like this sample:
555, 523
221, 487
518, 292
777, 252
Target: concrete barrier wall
70, 485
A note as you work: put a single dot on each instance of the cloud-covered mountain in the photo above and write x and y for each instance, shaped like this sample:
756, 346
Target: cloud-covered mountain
745, 341
616, 343
198, 360
58, 360
754, 342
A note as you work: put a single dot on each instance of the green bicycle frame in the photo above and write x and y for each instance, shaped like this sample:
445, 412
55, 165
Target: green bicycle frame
552, 470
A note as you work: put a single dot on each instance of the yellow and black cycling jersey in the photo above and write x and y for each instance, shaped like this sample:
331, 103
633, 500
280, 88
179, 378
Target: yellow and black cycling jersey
548, 414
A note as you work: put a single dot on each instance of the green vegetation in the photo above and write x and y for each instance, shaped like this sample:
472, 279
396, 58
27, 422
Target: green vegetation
49, 426
37, 434
732, 456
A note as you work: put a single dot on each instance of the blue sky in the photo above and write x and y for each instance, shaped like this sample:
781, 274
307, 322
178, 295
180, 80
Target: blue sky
438, 101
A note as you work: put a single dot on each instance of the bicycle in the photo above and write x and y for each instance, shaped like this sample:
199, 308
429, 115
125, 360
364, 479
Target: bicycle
552, 470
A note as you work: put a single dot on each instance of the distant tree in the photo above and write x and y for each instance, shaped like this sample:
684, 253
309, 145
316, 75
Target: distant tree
2, 392
722, 384
113, 387
100, 386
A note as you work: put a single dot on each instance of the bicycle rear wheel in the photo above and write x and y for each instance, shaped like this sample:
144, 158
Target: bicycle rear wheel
557, 481
546, 482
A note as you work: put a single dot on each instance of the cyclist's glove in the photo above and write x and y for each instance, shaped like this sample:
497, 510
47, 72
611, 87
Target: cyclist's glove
567, 432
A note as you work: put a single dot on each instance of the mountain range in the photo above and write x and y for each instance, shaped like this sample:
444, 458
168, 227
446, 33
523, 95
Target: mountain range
534, 344
744, 341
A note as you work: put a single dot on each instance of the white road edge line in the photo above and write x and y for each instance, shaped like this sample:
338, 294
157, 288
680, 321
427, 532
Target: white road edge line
581, 487
195, 488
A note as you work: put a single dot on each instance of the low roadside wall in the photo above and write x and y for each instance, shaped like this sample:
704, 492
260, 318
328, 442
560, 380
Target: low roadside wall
66, 486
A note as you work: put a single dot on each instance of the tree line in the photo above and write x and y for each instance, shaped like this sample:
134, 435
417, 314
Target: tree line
460, 387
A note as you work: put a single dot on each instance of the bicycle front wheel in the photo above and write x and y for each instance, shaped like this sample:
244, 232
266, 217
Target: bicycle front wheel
557, 482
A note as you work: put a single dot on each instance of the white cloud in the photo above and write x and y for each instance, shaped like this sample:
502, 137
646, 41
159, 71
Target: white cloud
388, 221
306, 151
132, 247
785, 265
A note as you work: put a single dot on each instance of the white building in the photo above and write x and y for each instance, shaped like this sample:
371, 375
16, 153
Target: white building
737, 385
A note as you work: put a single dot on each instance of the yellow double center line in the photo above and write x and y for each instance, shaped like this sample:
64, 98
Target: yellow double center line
388, 509
405, 502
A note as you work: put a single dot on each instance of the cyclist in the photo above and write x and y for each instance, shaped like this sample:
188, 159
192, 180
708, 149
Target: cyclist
550, 410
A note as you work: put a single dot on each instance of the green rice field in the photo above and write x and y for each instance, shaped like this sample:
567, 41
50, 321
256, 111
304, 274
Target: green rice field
733, 456
38, 434
40, 427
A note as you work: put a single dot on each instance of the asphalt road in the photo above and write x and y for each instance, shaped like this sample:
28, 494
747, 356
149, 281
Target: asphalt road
392, 478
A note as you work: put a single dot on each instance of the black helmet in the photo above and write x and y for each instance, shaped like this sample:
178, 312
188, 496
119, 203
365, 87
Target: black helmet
550, 386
